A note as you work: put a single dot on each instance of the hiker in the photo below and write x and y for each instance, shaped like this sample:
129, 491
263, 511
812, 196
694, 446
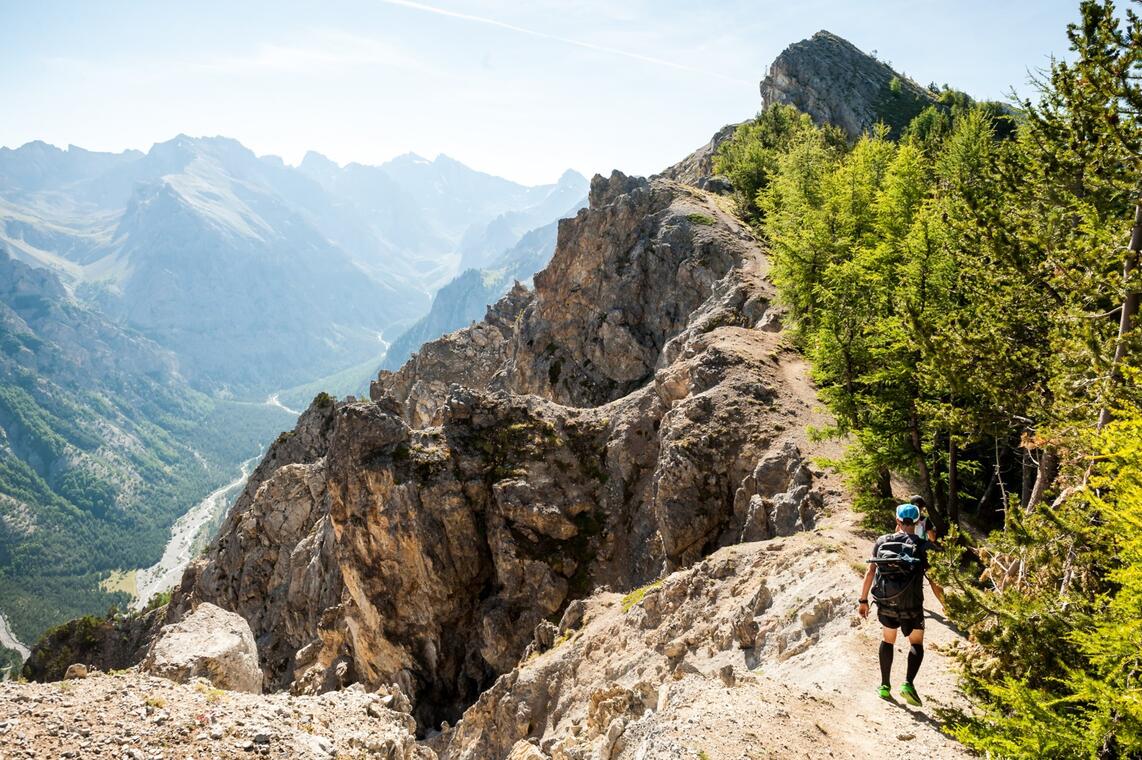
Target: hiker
924, 527
895, 578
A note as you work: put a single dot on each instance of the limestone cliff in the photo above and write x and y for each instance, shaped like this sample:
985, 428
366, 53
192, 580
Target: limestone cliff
830, 79
624, 418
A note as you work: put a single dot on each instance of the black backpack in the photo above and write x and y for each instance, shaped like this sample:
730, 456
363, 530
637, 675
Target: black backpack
899, 561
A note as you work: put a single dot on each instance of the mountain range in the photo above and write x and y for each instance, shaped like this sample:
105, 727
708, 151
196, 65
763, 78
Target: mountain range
257, 275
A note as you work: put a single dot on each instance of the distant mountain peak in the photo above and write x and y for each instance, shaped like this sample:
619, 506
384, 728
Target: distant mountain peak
571, 176
313, 160
413, 158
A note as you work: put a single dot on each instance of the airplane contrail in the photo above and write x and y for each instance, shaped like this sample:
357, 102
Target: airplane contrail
556, 38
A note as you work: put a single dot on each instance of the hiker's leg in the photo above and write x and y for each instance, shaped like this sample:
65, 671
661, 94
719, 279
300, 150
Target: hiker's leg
886, 651
915, 653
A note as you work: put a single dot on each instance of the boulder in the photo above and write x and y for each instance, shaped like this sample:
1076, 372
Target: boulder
523, 750
209, 642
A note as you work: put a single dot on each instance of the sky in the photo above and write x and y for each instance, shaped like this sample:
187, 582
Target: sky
522, 90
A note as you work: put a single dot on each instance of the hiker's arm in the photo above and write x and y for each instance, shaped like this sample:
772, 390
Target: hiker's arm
865, 588
938, 590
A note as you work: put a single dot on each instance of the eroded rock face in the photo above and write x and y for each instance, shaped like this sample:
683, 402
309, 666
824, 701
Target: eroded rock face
834, 82
593, 692
209, 643
597, 431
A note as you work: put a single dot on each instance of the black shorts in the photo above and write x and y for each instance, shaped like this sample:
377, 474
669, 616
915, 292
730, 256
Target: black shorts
905, 621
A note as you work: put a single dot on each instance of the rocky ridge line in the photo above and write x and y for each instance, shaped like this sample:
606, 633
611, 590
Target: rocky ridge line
624, 418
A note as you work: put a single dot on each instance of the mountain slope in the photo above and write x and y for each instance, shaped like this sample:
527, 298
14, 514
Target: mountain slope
102, 446
466, 298
483, 244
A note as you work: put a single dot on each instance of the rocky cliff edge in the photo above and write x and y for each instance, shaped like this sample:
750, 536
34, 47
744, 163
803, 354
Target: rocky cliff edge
627, 417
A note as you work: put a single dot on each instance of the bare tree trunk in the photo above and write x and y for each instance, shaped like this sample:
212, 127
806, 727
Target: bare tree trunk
1028, 481
918, 452
1126, 319
884, 484
939, 484
987, 491
953, 484
1048, 469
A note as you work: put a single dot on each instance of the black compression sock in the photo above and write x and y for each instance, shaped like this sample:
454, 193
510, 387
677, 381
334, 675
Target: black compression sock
886, 662
915, 657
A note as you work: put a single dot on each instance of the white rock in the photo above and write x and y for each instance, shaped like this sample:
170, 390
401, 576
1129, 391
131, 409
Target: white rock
211, 643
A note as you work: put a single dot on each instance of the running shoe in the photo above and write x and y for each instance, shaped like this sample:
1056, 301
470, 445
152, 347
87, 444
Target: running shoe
908, 691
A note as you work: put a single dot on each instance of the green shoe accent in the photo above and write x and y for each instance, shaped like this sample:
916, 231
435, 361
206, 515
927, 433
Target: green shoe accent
885, 692
908, 691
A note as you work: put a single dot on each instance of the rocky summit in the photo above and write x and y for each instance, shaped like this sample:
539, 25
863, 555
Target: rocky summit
833, 81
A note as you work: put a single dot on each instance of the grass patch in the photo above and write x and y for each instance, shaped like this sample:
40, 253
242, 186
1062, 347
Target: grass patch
704, 219
637, 595
119, 580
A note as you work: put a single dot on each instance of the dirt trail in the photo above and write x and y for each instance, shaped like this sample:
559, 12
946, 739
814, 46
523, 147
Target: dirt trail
756, 651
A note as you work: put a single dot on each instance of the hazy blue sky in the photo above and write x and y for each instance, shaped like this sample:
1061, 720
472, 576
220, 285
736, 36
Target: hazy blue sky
524, 90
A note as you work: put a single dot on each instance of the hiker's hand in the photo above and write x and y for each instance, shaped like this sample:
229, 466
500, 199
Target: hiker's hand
863, 610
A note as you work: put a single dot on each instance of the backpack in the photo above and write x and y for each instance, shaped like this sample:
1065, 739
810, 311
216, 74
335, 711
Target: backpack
899, 560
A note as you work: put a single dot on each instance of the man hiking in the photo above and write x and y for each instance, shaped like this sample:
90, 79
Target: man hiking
895, 578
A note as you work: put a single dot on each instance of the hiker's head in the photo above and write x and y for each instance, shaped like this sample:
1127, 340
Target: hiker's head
906, 516
918, 501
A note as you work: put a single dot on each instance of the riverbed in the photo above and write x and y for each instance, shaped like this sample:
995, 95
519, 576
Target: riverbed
9, 640
177, 555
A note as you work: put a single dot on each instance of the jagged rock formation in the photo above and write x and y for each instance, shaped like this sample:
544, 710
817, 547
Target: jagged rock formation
830, 79
697, 169
621, 419
753, 652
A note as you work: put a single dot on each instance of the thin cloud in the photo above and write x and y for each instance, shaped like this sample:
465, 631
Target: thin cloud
336, 50
556, 38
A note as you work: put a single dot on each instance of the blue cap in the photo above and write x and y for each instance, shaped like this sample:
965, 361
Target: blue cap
907, 513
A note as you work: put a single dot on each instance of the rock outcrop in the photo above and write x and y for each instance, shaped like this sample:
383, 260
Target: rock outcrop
208, 643
133, 716
109, 644
620, 420
830, 79
697, 169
